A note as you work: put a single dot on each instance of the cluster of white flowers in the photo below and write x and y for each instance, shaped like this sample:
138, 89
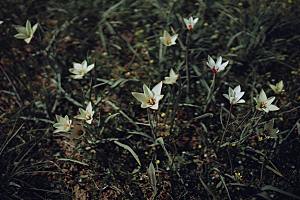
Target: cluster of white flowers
150, 98
64, 124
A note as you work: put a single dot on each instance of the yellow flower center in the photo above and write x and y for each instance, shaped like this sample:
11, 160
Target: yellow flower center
263, 105
168, 41
151, 101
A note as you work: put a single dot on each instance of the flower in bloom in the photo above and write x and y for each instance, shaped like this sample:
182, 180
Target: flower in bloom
167, 39
278, 87
263, 103
63, 124
80, 69
190, 22
25, 32
172, 78
86, 114
234, 95
216, 66
150, 98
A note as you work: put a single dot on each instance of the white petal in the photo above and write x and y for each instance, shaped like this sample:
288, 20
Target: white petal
222, 66
173, 38
226, 96
89, 108
219, 61
147, 91
157, 89
84, 64
140, 97
195, 20
270, 100
273, 108
262, 96
90, 67
211, 63
241, 101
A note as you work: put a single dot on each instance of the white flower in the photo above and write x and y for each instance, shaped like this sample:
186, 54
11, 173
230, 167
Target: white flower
150, 98
167, 39
190, 23
216, 66
86, 114
278, 88
25, 32
63, 124
265, 104
80, 69
172, 78
234, 95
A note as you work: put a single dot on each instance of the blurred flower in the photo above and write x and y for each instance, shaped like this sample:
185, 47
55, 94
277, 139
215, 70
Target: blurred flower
263, 103
167, 39
80, 69
86, 114
278, 87
216, 66
190, 23
63, 124
149, 99
234, 95
25, 32
172, 78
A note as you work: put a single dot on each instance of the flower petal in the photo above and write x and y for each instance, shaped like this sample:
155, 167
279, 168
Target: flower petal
157, 89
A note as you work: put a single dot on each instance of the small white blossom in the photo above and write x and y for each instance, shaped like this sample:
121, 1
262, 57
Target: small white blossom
278, 87
63, 124
263, 103
216, 66
190, 22
234, 95
25, 32
167, 39
150, 98
172, 78
80, 69
86, 114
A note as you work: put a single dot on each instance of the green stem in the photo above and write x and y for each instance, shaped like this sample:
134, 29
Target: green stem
210, 92
150, 119
227, 123
188, 77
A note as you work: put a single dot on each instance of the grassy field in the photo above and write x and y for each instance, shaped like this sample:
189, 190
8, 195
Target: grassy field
79, 119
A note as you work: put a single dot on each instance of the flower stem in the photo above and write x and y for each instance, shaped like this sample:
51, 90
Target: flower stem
150, 119
188, 77
210, 92
227, 123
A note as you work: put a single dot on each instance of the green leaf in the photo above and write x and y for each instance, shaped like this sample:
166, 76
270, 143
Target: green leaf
152, 177
275, 189
128, 148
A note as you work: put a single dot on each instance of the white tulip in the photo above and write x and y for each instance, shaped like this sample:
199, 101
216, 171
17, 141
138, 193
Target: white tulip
167, 39
190, 22
263, 103
26, 32
234, 95
80, 69
172, 78
86, 114
150, 98
216, 66
63, 124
